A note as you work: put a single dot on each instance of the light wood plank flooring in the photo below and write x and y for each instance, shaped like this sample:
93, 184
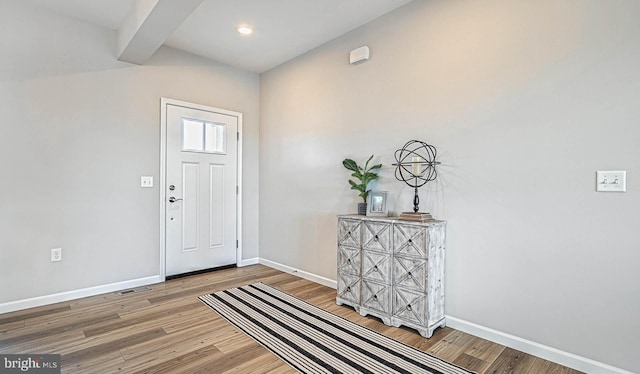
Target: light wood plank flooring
168, 330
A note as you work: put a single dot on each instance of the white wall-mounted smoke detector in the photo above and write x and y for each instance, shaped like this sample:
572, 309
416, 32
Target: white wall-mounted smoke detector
359, 55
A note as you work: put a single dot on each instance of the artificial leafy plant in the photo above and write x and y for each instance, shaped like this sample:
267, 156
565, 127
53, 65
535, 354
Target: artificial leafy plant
363, 175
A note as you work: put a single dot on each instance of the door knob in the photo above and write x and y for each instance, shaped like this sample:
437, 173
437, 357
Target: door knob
173, 199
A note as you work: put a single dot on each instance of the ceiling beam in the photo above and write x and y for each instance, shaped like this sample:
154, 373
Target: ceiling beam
149, 24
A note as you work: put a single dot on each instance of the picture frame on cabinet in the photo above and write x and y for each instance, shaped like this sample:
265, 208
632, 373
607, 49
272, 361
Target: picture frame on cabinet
377, 203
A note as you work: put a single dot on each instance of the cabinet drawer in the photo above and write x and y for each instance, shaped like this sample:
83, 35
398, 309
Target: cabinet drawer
376, 266
349, 232
348, 260
348, 288
410, 273
376, 236
376, 296
409, 306
410, 240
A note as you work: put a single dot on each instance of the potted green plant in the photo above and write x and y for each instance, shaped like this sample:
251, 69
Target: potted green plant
364, 176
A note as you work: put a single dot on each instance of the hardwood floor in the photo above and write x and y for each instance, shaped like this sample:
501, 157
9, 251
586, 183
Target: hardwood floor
168, 330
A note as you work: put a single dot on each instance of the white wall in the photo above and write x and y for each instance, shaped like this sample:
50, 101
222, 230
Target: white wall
524, 100
78, 130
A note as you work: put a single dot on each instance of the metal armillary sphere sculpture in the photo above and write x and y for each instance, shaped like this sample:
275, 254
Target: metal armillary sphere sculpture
416, 165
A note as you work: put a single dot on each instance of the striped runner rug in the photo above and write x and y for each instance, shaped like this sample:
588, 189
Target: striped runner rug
312, 340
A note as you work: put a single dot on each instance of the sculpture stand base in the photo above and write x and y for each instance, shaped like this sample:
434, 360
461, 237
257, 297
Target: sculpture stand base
416, 216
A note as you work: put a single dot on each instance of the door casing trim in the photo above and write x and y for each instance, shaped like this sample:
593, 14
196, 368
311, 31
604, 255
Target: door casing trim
164, 102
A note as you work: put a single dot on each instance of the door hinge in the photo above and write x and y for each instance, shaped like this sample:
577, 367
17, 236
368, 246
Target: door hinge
238, 136
236, 243
237, 190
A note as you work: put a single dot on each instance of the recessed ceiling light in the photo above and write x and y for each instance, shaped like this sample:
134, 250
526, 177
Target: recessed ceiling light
245, 29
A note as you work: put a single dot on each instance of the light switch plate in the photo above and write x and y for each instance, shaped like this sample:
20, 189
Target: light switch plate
146, 182
611, 181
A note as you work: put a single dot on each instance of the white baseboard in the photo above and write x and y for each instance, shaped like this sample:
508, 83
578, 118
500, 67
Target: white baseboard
536, 349
33, 302
249, 261
300, 273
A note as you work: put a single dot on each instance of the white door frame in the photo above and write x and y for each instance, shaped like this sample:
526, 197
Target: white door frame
163, 177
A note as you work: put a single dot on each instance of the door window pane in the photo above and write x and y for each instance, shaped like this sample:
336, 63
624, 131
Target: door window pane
192, 135
206, 137
215, 138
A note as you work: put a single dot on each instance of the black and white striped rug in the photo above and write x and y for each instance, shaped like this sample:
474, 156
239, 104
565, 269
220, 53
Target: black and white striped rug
313, 340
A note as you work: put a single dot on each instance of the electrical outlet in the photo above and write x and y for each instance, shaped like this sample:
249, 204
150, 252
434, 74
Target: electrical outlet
56, 254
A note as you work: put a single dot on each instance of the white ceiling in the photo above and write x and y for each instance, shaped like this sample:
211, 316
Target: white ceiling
283, 29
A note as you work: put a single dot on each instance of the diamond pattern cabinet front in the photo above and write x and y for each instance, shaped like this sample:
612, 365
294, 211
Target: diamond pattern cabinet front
376, 236
348, 260
376, 300
409, 308
348, 290
410, 273
410, 240
393, 270
376, 270
376, 267
349, 232
418, 276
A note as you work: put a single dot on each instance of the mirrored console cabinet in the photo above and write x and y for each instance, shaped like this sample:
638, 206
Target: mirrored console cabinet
393, 270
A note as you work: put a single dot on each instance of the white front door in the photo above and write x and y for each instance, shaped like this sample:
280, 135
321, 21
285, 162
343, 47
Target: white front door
200, 187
